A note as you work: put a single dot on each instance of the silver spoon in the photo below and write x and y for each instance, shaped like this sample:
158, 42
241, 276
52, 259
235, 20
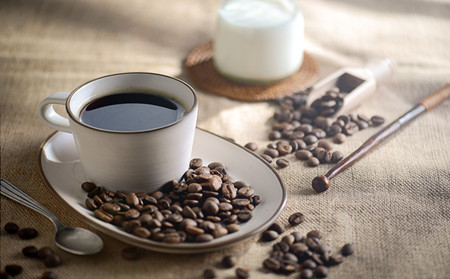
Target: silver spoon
77, 241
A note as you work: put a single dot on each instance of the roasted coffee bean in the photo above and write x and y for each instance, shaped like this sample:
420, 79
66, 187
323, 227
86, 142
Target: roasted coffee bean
229, 261
347, 249
49, 275
210, 208
273, 153
102, 215
336, 156
88, 186
289, 239
244, 216
319, 153
130, 253
314, 234
284, 149
303, 154
52, 260
204, 237
288, 266
233, 228
90, 204
11, 228
27, 233
296, 219
195, 163
376, 120
309, 264
13, 269
362, 124
131, 199
256, 200
298, 236
141, 232
111, 208
335, 259
219, 231
98, 201
299, 249
313, 162
333, 130
312, 242
267, 158
242, 273
269, 235
272, 264
350, 128
44, 252
282, 163
246, 192
321, 271
210, 273
240, 202
172, 238
274, 135
251, 146
278, 227
325, 144
339, 138
306, 274
97, 190
30, 251
310, 139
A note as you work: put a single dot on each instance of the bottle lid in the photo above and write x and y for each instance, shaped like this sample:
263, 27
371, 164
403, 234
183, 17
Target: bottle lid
381, 69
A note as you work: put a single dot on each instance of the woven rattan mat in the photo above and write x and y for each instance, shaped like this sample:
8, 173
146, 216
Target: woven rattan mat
201, 70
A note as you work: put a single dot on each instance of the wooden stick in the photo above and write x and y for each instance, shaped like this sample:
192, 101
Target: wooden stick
322, 183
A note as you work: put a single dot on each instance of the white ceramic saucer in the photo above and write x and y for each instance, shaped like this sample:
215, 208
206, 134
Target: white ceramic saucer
62, 172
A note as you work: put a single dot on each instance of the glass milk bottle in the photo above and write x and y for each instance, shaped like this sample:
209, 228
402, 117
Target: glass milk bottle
258, 41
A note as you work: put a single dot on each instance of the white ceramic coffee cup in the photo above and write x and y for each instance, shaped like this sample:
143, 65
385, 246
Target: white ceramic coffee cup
131, 161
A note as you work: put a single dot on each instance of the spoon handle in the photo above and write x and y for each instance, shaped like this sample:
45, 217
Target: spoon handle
12, 192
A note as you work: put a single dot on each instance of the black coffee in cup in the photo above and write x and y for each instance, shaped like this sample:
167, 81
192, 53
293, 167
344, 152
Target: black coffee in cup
131, 111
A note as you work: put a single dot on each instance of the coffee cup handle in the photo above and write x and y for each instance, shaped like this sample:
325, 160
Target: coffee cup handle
50, 116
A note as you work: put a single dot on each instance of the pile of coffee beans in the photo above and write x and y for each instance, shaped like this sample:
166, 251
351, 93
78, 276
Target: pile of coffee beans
302, 130
296, 252
46, 254
206, 204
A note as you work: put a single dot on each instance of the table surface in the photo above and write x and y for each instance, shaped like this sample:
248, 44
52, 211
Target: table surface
393, 205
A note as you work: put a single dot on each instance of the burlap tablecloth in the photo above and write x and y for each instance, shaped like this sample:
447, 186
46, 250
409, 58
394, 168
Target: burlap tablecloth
393, 205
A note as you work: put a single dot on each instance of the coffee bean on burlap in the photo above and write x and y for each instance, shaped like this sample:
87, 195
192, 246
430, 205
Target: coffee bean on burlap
296, 218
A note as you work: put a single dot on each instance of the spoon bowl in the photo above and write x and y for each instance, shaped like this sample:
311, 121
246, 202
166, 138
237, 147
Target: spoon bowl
77, 241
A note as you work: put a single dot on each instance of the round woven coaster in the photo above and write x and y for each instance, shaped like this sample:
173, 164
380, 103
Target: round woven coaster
201, 70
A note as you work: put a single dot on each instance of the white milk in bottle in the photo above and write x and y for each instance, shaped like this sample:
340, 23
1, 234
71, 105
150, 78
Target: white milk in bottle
258, 41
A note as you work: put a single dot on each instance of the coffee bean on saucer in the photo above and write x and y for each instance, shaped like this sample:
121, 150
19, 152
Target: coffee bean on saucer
13, 269
11, 228
88, 186
27, 233
296, 218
